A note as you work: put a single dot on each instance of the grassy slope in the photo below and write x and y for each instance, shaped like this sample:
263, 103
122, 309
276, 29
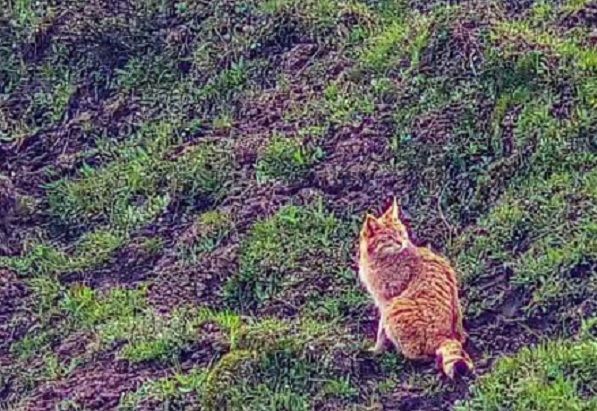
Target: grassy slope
181, 185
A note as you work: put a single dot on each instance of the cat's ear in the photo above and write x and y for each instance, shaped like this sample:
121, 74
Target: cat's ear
371, 225
392, 214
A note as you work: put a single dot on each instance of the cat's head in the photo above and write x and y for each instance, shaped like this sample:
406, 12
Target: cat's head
384, 233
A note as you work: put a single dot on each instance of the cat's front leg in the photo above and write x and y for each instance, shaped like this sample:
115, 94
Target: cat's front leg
381, 339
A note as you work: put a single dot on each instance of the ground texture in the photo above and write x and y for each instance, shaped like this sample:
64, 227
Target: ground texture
181, 186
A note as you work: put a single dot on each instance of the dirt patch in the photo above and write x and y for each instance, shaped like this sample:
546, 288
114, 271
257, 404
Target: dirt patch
357, 158
98, 385
176, 285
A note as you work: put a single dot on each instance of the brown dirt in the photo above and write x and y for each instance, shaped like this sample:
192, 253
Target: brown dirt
97, 385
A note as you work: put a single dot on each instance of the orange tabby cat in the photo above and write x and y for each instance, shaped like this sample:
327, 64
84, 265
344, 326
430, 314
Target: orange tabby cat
416, 293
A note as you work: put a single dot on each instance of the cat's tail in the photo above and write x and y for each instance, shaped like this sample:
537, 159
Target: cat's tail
452, 359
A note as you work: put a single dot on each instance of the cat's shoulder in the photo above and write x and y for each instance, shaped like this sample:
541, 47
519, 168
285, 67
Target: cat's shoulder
428, 254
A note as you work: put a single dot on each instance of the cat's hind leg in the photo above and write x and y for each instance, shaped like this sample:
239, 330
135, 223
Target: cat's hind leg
405, 326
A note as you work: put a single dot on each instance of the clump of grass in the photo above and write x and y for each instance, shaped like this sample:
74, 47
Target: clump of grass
278, 248
46, 106
30, 345
546, 243
122, 316
25, 14
312, 18
271, 363
286, 159
93, 249
541, 378
345, 104
166, 390
140, 183
397, 46
89, 308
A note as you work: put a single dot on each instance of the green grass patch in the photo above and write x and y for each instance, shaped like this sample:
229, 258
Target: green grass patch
280, 251
140, 182
122, 316
282, 366
271, 364
207, 232
542, 232
397, 46
94, 249
540, 378
168, 391
286, 159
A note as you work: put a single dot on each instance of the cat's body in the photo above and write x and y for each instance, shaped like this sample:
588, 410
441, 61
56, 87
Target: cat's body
416, 293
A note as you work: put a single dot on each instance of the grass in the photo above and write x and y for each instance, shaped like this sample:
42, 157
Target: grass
540, 378
286, 159
139, 183
248, 377
94, 249
397, 46
277, 249
122, 131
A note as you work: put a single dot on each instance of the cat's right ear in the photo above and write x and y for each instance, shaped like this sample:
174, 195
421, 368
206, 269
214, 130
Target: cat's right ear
372, 225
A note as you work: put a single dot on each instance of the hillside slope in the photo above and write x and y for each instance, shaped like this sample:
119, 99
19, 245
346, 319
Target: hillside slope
181, 185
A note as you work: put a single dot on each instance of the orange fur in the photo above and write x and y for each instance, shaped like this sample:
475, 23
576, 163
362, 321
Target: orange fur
416, 293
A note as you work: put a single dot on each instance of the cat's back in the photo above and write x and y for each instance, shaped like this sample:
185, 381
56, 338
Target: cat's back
435, 276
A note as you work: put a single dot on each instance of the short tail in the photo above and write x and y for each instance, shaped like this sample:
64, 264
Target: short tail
452, 359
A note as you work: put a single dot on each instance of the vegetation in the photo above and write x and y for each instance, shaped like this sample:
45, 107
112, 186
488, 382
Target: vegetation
182, 183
